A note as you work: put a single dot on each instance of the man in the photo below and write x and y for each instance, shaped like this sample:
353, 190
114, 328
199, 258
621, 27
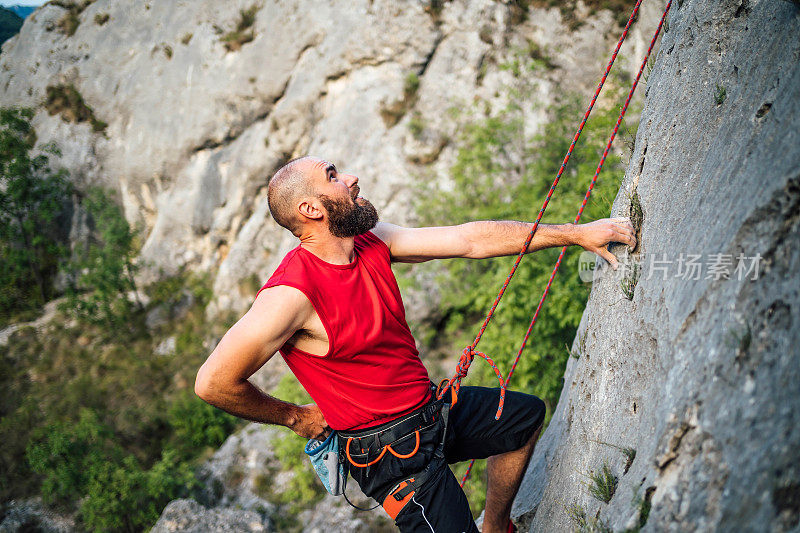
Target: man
334, 311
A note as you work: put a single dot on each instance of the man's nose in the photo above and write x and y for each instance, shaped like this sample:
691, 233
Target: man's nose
350, 180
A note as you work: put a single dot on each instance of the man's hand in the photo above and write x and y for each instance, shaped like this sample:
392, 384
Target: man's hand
310, 423
595, 236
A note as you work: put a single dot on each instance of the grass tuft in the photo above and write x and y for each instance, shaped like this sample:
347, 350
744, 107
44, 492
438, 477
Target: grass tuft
636, 214
643, 505
416, 125
631, 278
69, 22
627, 451
101, 18
720, 94
68, 102
583, 522
235, 39
603, 483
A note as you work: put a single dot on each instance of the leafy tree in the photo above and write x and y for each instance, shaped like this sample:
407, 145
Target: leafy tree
32, 201
103, 271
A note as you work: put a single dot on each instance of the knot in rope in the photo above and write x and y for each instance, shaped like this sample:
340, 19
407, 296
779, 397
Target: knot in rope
462, 367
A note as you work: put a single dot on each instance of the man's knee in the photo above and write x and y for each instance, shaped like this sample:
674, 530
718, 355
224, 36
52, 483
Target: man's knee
537, 410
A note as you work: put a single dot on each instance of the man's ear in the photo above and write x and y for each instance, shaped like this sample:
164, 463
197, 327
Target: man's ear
309, 209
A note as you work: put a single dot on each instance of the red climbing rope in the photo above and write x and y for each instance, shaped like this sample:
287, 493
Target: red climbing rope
580, 211
469, 352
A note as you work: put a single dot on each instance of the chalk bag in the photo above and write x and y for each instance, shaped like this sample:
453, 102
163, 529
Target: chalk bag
324, 456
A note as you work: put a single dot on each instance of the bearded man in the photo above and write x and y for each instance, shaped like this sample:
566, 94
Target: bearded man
333, 310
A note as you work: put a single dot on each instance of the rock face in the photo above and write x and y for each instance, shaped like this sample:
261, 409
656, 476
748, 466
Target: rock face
238, 478
194, 130
698, 373
191, 517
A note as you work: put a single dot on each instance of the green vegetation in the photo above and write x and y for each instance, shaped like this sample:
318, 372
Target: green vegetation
583, 522
101, 18
243, 33
739, 339
68, 102
720, 94
630, 279
643, 506
102, 273
10, 23
500, 173
92, 416
416, 125
33, 206
69, 22
602, 483
186, 38
392, 113
635, 213
627, 451
167, 51
97, 421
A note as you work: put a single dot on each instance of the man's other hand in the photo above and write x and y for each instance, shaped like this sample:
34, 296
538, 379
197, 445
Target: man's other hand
310, 423
595, 236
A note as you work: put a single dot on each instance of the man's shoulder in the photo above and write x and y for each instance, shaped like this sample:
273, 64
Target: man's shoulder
383, 232
287, 296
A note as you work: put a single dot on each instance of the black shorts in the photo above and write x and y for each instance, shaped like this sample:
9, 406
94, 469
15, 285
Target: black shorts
440, 504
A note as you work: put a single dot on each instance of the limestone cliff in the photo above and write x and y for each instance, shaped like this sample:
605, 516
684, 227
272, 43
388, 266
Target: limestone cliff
695, 373
191, 118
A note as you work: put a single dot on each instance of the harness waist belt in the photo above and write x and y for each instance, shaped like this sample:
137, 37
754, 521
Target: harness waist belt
379, 436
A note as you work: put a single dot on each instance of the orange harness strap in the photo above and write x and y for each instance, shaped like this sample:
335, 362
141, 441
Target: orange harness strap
383, 452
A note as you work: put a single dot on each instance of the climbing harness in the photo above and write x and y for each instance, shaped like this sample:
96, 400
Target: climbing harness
469, 353
364, 444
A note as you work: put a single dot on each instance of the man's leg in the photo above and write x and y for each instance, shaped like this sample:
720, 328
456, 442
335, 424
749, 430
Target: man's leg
507, 443
505, 473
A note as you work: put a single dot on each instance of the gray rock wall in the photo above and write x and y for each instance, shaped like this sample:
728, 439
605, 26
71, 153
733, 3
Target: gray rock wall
699, 376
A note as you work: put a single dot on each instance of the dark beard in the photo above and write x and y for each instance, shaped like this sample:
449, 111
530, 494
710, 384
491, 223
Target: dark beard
349, 220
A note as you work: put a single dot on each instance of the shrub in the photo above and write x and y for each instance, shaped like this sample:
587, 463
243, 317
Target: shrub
33, 209
66, 453
69, 22
196, 424
103, 272
123, 497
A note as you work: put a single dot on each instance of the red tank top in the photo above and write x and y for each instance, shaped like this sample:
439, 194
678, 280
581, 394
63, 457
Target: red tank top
372, 372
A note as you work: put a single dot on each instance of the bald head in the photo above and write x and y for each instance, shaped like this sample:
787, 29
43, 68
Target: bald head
290, 184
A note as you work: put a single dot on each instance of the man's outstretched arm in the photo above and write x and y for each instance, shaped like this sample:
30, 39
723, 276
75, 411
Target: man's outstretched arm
495, 238
222, 381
